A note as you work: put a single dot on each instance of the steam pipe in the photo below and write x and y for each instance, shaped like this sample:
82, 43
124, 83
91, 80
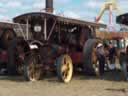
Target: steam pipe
49, 6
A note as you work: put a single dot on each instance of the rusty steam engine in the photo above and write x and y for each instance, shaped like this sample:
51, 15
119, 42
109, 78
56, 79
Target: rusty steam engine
41, 42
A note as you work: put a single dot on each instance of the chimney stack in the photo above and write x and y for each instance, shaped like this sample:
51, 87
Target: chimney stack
49, 6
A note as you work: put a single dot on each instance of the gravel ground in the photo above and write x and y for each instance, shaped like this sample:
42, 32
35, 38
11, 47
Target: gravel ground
111, 84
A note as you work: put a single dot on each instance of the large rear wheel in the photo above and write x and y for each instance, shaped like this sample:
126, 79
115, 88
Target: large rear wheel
91, 63
12, 56
7, 36
17, 51
64, 68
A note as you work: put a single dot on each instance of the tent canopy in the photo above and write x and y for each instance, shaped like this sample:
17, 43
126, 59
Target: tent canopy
122, 19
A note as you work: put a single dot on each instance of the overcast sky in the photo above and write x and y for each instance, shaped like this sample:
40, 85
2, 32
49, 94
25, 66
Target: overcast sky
82, 9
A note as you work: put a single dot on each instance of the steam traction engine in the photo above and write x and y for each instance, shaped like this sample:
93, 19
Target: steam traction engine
45, 42
53, 43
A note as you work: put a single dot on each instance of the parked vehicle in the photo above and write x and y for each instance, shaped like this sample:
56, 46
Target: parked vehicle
123, 19
51, 43
58, 44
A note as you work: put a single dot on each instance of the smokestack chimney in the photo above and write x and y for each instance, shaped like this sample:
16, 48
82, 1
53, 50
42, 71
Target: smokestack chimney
49, 6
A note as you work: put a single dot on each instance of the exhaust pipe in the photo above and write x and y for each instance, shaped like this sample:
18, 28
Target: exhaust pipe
49, 6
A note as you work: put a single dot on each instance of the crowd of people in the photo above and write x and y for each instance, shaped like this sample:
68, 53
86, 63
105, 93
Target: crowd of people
107, 56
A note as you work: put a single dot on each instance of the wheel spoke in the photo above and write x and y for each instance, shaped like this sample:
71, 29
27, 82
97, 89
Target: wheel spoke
65, 75
65, 70
65, 64
34, 71
64, 67
65, 61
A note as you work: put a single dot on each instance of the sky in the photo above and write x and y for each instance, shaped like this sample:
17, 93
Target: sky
80, 9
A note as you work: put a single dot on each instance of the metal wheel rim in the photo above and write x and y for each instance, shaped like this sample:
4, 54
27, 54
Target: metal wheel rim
67, 69
33, 72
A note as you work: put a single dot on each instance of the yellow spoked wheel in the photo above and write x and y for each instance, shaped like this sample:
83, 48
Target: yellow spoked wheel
32, 70
34, 73
20, 69
64, 68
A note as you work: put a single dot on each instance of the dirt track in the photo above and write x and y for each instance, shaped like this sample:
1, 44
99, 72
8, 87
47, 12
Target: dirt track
111, 84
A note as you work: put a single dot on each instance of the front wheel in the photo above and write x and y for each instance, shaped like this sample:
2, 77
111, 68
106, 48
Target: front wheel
32, 68
64, 68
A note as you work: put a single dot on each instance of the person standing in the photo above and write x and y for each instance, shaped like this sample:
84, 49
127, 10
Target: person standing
112, 56
101, 57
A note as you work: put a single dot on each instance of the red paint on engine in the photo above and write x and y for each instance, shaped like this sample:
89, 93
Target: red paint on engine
4, 56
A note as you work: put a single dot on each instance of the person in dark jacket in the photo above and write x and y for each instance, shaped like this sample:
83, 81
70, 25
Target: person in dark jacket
101, 57
112, 54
